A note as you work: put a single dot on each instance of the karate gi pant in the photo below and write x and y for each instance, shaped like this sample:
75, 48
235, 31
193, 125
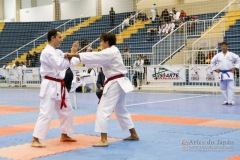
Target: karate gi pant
47, 107
227, 88
113, 101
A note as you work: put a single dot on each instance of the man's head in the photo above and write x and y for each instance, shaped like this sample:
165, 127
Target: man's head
224, 47
54, 37
107, 40
6, 63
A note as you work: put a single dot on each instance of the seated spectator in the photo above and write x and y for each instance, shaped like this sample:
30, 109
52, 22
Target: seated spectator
127, 56
183, 15
171, 27
34, 59
158, 20
163, 28
172, 14
209, 56
125, 22
200, 59
146, 60
152, 31
28, 59
165, 15
100, 82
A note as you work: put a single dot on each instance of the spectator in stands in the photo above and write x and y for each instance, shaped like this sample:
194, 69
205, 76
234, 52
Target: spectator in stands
139, 70
127, 56
146, 60
28, 59
34, 59
89, 48
209, 57
100, 83
6, 66
22, 65
16, 64
163, 28
171, 27
200, 59
112, 16
172, 14
158, 20
183, 15
165, 15
84, 43
125, 22
154, 12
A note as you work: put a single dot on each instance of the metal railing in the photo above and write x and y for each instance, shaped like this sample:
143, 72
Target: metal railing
32, 43
199, 56
226, 8
169, 45
117, 29
211, 38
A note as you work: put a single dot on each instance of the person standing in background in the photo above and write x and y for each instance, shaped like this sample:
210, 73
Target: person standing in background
112, 16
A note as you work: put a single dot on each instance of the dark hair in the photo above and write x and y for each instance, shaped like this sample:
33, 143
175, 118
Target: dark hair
110, 37
225, 43
52, 32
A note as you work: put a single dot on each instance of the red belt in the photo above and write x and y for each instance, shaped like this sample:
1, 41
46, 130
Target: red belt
63, 89
112, 78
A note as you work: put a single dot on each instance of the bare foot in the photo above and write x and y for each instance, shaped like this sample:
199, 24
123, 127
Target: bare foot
66, 138
131, 138
101, 144
37, 144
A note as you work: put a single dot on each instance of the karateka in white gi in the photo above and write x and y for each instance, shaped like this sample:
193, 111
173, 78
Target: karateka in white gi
154, 12
115, 87
171, 27
53, 94
225, 63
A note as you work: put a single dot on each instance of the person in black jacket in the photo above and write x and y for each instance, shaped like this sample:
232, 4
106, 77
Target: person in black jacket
100, 82
112, 16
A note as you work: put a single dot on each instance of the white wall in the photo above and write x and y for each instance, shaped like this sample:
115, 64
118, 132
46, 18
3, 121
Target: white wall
25, 4
9, 10
42, 13
119, 6
75, 9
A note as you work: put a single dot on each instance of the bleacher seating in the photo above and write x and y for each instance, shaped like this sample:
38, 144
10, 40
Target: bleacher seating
24, 32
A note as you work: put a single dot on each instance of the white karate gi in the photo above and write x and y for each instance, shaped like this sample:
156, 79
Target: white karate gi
154, 12
125, 23
226, 80
170, 28
113, 98
163, 28
53, 64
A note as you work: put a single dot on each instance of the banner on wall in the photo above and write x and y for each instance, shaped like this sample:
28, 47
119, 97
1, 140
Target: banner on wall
31, 74
166, 74
202, 73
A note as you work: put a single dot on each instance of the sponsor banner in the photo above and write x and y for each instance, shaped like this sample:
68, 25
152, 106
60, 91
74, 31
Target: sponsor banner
202, 73
31, 74
166, 74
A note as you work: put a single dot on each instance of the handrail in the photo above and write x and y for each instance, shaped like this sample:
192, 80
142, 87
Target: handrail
168, 35
108, 32
223, 9
222, 19
34, 40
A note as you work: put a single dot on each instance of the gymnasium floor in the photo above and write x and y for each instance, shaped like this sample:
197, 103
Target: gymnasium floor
170, 126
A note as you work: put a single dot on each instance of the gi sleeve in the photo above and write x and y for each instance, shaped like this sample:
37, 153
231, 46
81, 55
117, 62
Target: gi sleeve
236, 61
58, 62
214, 63
97, 58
